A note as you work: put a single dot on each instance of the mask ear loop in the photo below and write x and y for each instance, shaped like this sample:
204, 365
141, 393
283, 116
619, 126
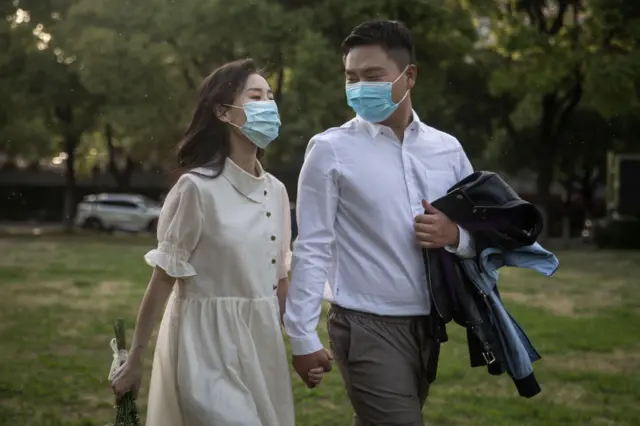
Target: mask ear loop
401, 74
233, 106
407, 92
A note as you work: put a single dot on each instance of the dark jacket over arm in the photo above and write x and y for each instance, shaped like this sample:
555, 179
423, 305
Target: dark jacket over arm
497, 218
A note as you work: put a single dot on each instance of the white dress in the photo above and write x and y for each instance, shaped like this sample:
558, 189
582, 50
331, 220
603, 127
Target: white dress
220, 358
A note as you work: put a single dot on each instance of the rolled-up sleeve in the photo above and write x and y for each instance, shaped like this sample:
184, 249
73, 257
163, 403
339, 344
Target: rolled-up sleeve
179, 229
466, 244
317, 205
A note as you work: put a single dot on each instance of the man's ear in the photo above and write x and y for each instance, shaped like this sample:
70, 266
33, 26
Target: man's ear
412, 75
222, 113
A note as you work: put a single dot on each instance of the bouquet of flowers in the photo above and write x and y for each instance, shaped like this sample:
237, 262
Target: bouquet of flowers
127, 412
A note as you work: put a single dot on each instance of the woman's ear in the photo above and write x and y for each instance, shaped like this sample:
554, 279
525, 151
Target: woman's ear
222, 113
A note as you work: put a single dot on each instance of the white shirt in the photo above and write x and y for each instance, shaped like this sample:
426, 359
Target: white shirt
358, 194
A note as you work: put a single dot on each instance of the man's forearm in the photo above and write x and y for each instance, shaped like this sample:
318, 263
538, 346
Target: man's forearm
304, 306
317, 207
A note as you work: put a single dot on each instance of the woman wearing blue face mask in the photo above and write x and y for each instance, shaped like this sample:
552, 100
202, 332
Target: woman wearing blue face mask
222, 262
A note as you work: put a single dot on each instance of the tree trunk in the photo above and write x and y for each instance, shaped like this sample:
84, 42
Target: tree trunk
543, 187
588, 185
70, 144
277, 97
64, 114
556, 110
546, 159
122, 175
566, 214
566, 228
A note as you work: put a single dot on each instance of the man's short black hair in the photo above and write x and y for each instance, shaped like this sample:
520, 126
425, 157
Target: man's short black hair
392, 36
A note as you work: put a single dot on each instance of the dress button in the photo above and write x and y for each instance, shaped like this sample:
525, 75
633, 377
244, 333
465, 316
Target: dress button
265, 192
275, 287
273, 238
273, 261
268, 214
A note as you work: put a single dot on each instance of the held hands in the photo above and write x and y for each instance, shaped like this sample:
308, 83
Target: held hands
435, 229
312, 367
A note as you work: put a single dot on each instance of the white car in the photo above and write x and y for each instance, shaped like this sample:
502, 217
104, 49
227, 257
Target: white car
121, 212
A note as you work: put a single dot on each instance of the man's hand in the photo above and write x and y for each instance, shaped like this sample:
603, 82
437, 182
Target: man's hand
435, 229
303, 364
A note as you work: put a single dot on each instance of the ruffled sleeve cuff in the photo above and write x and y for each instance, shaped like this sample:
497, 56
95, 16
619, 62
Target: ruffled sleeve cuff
172, 259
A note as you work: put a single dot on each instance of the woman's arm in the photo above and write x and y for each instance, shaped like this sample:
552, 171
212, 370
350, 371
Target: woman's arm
129, 376
150, 311
285, 254
283, 289
179, 230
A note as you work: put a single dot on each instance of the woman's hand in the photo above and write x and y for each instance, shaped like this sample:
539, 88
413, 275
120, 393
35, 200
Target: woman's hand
315, 376
127, 378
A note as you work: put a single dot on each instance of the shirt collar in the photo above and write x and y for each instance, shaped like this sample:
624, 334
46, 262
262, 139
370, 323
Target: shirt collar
252, 187
374, 129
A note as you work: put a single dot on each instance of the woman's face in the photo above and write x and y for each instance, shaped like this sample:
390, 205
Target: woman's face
256, 89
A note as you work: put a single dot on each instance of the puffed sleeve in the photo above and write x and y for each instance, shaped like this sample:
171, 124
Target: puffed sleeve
285, 243
179, 229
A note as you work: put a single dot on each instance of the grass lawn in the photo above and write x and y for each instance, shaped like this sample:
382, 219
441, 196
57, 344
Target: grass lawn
60, 296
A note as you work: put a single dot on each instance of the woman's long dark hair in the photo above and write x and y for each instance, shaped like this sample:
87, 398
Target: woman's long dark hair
206, 141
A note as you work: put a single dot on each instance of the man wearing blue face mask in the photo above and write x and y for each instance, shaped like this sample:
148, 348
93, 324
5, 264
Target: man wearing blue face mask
363, 191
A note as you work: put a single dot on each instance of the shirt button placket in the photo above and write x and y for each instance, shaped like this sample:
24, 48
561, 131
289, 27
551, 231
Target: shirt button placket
273, 239
406, 167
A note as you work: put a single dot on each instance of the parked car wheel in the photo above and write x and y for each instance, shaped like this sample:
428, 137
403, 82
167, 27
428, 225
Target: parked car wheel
93, 224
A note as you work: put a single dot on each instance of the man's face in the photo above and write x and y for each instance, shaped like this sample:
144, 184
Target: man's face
373, 64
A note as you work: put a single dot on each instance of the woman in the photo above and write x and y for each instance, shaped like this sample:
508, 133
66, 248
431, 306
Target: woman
222, 260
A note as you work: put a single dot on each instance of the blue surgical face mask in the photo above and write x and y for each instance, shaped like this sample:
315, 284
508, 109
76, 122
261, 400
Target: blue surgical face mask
263, 122
372, 100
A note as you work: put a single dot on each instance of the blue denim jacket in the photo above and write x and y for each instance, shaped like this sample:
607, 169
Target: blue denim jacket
483, 273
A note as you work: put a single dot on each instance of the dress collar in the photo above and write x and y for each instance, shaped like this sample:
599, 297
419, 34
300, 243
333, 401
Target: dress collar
252, 187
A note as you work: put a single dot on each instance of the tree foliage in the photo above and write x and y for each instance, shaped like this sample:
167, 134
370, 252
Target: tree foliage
551, 58
547, 85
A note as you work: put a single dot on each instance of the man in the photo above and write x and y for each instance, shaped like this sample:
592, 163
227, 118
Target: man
363, 190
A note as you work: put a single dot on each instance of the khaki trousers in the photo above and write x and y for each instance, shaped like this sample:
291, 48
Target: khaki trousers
383, 363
